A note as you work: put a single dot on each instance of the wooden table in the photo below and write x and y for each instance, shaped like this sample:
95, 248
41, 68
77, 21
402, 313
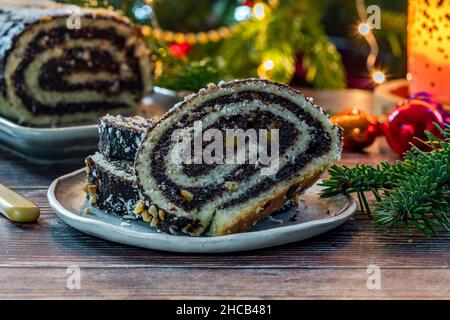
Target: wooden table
34, 258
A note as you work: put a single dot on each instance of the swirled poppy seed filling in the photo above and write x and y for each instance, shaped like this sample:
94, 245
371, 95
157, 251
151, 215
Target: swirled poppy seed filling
255, 119
259, 118
53, 72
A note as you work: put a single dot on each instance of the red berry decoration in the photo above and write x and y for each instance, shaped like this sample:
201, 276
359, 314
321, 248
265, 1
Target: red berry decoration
410, 119
360, 128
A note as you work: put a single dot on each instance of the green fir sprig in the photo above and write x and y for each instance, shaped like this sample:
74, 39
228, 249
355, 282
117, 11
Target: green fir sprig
414, 192
292, 28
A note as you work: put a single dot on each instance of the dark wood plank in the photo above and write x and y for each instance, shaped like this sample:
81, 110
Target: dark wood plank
18, 172
189, 283
51, 242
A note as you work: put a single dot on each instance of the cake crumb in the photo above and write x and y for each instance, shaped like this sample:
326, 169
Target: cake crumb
87, 210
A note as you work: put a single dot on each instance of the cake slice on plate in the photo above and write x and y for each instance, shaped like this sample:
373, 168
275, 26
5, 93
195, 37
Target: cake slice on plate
199, 197
111, 183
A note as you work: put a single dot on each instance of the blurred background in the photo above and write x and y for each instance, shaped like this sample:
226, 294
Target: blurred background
305, 43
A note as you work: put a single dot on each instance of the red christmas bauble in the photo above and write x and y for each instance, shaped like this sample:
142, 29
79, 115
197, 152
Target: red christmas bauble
249, 3
360, 128
410, 119
179, 50
444, 110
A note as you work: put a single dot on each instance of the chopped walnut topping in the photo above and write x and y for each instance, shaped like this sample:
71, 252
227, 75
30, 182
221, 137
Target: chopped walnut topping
93, 199
187, 195
139, 207
46, 18
146, 216
153, 211
231, 186
87, 210
154, 222
90, 188
85, 188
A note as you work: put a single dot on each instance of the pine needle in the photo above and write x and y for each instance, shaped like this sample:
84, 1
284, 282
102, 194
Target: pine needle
414, 192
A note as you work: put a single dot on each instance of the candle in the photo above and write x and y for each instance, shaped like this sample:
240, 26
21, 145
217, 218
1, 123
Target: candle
429, 48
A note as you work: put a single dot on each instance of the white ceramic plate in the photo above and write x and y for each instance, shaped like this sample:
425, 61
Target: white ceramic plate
311, 217
68, 143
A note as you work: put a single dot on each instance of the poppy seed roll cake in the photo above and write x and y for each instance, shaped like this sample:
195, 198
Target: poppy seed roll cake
62, 64
222, 198
120, 137
111, 184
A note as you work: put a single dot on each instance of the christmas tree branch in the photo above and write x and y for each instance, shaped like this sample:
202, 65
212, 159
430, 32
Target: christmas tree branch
414, 192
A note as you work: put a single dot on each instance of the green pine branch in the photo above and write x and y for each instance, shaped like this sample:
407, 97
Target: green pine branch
189, 77
293, 28
414, 192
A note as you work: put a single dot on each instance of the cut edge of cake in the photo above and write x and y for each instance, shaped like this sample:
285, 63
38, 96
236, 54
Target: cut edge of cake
218, 223
120, 137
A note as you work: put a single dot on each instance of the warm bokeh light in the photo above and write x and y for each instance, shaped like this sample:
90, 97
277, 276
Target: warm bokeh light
363, 29
379, 77
268, 65
264, 68
242, 13
259, 11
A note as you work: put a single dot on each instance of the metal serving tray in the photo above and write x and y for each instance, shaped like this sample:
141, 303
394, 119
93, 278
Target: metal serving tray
69, 143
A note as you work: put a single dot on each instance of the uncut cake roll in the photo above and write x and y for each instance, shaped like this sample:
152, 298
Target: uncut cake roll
120, 137
64, 64
215, 199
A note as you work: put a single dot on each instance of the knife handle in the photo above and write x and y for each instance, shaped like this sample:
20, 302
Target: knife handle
17, 208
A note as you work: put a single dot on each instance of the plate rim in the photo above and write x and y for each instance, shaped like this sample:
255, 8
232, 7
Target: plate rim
342, 216
83, 128
65, 143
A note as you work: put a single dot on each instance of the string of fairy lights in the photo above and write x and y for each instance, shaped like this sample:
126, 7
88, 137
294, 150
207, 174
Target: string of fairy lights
364, 29
259, 11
